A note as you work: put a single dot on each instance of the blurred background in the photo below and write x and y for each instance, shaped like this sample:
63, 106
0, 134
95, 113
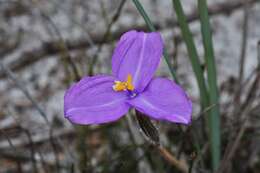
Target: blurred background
45, 46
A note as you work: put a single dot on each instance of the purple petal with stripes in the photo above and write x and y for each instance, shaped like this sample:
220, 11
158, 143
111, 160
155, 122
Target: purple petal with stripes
138, 54
93, 101
163, 99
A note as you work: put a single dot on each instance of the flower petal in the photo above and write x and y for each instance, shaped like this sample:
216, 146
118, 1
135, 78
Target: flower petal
93, 101
164, 100
138, 54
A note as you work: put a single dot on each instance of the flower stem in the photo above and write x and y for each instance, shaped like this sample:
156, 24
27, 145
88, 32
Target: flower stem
173, 160
152, 134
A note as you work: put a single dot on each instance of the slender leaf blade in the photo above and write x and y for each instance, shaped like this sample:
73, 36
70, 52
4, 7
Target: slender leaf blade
214, 118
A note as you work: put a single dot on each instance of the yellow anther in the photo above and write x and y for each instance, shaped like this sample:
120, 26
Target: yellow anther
129, 84
122, 86
119, 86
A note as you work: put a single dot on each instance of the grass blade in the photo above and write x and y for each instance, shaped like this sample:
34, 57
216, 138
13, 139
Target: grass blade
152, 28
193, 55
214, 120
195, 62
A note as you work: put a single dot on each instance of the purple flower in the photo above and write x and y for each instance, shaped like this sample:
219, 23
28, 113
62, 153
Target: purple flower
104, 98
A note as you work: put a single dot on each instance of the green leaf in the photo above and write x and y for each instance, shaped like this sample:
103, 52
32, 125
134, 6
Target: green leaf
214, 118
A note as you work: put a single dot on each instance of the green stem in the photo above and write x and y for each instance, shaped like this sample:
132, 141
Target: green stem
214, 118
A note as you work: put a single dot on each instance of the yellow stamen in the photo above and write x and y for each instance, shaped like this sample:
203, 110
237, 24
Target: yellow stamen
122, 86
130, 86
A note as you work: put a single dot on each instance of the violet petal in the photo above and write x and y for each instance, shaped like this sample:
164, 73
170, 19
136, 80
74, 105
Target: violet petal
93, 101
138, 54
163, 99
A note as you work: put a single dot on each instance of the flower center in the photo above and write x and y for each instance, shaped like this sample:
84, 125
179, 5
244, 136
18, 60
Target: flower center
124, 86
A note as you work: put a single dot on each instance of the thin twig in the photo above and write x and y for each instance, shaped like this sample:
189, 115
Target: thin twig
169, 157
105, 36
8, 140
31, 145
258, 54
55, 150
20, 85
32, 149
242, 54
232, 146
137, 140
43, 163
245, 110
63, 49
152, 137
252, 91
